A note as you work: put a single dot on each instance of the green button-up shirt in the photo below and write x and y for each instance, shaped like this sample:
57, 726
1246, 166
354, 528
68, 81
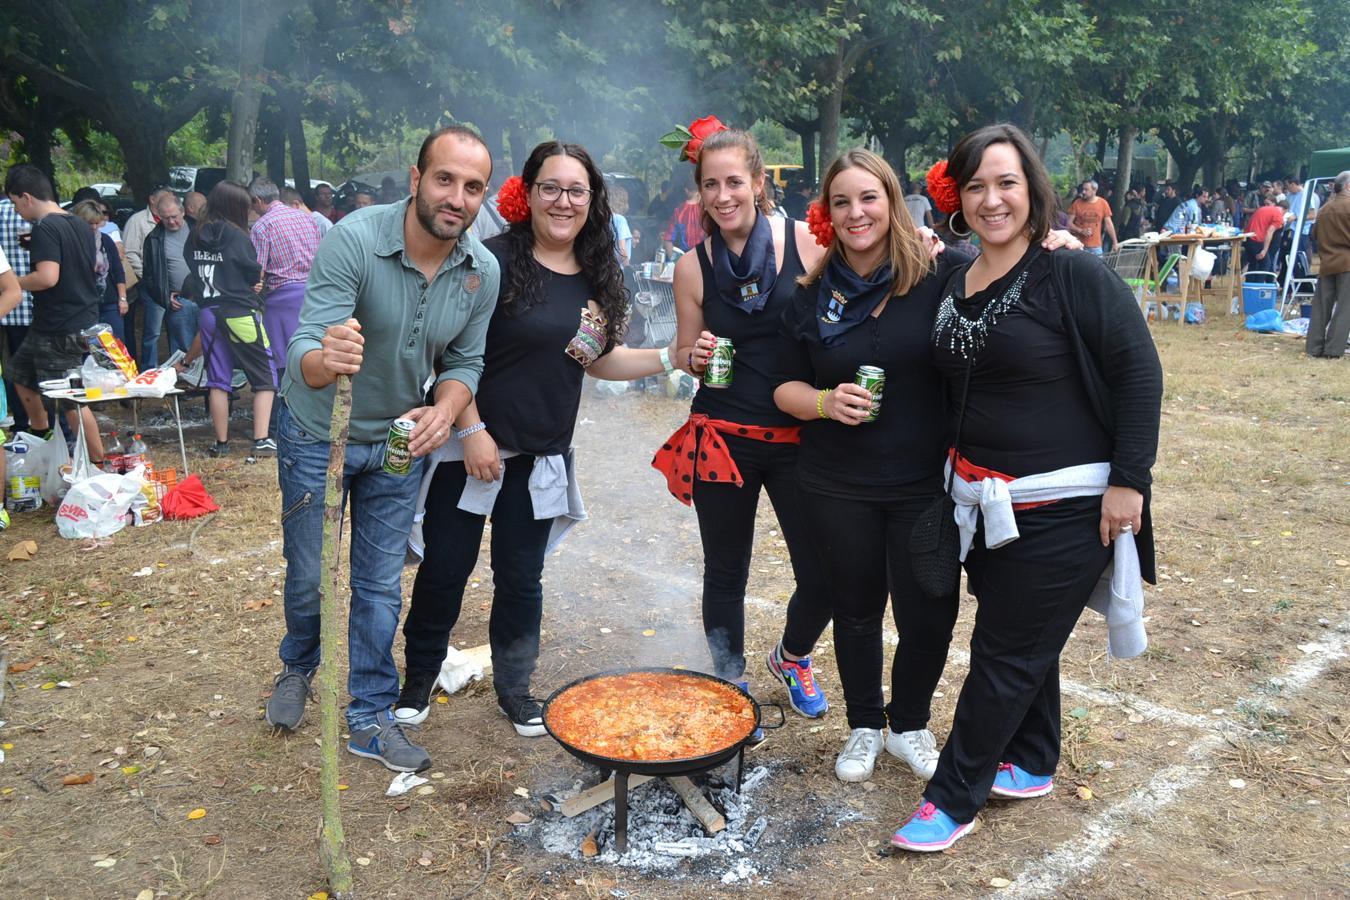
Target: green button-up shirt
361, 271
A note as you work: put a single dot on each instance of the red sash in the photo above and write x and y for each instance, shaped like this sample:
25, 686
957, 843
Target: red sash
969, 471
695, 451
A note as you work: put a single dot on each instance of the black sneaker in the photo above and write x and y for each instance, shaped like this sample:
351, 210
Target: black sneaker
524, 713
219, 449
264, 445
286, 706
414, 701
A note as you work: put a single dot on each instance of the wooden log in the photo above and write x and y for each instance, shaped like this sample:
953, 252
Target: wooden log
593, 797
698, 804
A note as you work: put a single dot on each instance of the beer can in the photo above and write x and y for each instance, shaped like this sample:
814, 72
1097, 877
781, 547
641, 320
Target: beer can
397, 457
718, 374
873, 379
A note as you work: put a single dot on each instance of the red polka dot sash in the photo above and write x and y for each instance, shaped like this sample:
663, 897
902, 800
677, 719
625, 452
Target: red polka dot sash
696, 451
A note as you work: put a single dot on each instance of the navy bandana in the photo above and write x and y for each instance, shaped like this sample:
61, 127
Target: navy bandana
746, 281
845, 299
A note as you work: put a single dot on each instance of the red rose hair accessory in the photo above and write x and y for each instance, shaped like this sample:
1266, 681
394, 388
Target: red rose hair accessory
942, 188
818, 223
689, 141
512, 201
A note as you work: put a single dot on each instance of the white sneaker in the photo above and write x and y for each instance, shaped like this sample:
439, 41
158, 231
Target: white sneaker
917, 748
859, 756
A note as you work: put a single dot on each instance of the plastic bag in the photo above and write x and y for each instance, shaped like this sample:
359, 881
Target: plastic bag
1266, 321
97, 507
187, 500
1202, 264
94, 375
47, 458
1195, 313
153, 383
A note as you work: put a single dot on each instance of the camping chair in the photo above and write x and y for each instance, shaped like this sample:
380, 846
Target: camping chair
1149, 291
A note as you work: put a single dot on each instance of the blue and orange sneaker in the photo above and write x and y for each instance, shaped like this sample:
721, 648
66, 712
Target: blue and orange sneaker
1015, 783
930, 830
803, 694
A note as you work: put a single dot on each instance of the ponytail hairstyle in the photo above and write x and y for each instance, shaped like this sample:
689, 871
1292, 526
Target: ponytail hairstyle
906, 253
594, 247
754, 160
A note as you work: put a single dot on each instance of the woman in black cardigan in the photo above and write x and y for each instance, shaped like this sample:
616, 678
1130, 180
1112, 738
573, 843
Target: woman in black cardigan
1056, 438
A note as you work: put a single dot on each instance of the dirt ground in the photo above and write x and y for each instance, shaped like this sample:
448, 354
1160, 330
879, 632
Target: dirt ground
1216, 765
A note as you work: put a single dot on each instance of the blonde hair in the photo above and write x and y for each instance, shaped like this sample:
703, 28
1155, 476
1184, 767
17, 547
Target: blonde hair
89, 211
909, 258
754, 160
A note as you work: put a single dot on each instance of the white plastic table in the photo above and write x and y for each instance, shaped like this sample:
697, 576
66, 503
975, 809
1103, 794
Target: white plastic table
77, 397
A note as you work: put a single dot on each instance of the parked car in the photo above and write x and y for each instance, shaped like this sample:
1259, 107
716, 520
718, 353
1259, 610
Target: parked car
201, 179
781, 172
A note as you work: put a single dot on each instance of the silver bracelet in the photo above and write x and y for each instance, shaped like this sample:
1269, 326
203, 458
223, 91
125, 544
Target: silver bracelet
472, 429
665, 360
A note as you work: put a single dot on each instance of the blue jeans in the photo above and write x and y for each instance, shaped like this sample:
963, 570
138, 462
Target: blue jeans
182, 325
381, 517
152, 323
1095, 251
110, 313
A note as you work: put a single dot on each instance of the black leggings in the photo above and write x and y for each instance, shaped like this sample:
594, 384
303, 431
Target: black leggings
726, 524
1031, 593
452, 539
864, 547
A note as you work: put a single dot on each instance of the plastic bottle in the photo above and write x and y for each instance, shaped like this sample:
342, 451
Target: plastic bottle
135, 454
113, 453
25, 487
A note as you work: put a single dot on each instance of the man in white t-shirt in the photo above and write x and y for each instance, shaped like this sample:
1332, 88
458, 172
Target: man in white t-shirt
920, 209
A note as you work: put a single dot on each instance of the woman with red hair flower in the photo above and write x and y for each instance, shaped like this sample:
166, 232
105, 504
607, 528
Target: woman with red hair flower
736, 285
559, 317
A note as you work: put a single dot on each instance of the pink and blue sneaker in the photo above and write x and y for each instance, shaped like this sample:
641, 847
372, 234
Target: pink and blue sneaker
930, 830
803, 694
1015, 783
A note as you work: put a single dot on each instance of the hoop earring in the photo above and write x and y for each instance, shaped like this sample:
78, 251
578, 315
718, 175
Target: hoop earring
951, 225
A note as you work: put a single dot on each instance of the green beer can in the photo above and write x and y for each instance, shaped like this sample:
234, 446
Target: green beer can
872, 379
397, 457
718, 374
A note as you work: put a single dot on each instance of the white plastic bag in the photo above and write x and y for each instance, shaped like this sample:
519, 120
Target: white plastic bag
97, 507
1202, 264
94, 375
46, 458
153, 383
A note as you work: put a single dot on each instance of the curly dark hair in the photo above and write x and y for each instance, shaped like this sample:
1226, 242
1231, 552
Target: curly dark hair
594, 248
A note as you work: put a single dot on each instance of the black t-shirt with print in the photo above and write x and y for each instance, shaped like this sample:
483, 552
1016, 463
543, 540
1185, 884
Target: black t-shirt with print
531, 388
72, 303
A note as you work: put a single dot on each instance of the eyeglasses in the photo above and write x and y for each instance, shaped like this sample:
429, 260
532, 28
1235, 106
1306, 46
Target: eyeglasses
579, 196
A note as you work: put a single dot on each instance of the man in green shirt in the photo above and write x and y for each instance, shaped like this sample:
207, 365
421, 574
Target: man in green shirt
398, 294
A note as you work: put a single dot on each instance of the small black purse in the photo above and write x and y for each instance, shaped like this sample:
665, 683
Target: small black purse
935, 542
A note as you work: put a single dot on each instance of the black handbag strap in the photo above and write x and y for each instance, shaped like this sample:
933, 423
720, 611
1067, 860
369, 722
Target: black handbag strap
960, 420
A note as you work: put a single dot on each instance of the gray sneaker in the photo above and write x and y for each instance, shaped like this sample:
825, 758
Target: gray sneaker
385, 741
286, 706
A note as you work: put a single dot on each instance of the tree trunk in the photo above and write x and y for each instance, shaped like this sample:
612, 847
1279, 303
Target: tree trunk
144, 155
255, 18
295, 133
518, 149
1124, 167
894, 146
274, 143
38, 146
830, 107
1103, 136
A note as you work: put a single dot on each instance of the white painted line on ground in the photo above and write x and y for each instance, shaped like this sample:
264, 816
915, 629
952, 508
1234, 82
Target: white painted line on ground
1049, 875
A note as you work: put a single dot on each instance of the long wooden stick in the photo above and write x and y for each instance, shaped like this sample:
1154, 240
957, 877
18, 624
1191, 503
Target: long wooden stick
332, 842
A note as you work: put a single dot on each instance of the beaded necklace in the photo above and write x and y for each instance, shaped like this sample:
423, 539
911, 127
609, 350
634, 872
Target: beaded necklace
966, 337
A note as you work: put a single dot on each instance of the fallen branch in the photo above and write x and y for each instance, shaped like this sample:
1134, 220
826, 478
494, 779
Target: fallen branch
332, 843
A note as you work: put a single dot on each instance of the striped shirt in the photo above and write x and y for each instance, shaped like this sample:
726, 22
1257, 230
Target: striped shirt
285, 240
11, 226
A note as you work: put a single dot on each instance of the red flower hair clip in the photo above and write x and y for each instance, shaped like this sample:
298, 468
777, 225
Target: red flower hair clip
512, 201
818, 223
942, 188
689, 141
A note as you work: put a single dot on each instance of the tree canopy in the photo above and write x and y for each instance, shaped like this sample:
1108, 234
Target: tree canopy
1227, 88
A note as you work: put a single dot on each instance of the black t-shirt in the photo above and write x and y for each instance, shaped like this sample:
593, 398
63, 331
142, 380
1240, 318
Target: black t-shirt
754, 337
899, 454
530, 389
1028, 410
222, 269
72, 303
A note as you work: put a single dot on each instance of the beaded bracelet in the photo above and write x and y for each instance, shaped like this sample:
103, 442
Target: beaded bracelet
472, 429
820, 403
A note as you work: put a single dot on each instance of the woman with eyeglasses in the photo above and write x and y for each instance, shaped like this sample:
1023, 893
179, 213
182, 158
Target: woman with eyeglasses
560, 315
